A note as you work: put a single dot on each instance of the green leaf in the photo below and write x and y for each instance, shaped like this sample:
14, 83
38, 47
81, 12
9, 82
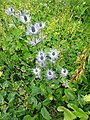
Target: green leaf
38, 107
19, 45
5, 84
70, 94
11, 96
68, 115
45, 113
1, 99
87, 98
46, 102
89, 60
78, 112
28, 117
21, 111
35, 90
32, 100
23, 69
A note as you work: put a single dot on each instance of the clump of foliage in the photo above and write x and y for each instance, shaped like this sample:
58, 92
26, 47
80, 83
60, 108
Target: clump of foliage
44, 60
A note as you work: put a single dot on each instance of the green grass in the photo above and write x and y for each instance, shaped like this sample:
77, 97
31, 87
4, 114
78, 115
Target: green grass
22, 96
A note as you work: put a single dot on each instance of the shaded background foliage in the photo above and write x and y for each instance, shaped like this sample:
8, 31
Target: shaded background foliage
68, 30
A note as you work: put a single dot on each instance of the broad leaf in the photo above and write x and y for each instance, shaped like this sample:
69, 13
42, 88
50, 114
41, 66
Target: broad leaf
11, 96
87, 98
78, 112
28, 117
45, 113
68, 115
35, 90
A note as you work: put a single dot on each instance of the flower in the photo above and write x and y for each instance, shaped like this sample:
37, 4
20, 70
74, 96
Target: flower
23, 12
64, 72
65, 84
32, 30
50, 74
53, 54
41, 64
10, 11
42, 37
40, 25
41, 57
52, 61
25, 18
36, 72
34, 41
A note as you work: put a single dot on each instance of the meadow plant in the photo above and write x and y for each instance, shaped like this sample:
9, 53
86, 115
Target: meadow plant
44, 60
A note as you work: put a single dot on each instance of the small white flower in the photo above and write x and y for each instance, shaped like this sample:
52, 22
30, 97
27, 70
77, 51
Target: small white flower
64, 72
36, 72
50, 74
34, 41
40, 25
25, 18
42, 37
51, 60
41, 57
65, 84
32, 30
23, 12
53, 54
42, 65
10, 11
41, 53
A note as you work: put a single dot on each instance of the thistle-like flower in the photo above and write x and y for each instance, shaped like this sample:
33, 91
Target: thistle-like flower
41, 57
41, 64
53, 54
50, 74
36, 71
34, 41
25, 18
32, 30
40, 25
42, 37
64, 72
22, 12
10, 11
51, 60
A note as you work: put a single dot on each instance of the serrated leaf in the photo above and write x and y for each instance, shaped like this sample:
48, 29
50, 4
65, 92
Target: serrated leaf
68, 115
45, 113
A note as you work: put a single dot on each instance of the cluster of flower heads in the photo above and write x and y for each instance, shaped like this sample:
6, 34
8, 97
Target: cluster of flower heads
32, 29
41, 58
